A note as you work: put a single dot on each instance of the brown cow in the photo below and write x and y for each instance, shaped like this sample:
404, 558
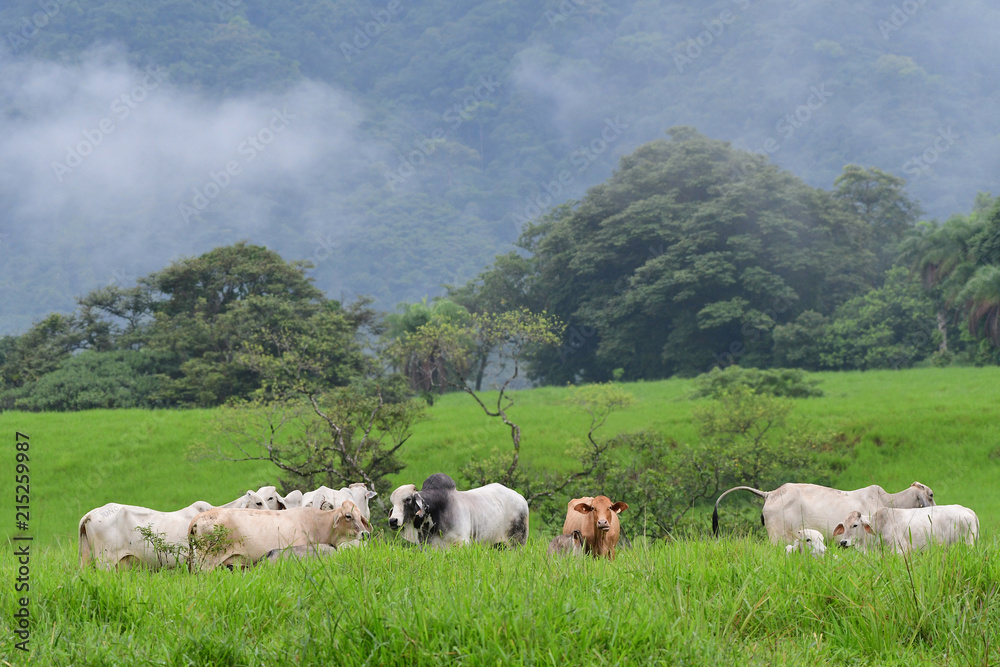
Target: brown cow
251, 534
597, 520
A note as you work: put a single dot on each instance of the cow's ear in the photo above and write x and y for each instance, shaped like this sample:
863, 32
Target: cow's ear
839, 530
421, 507
583, 508
370, 494
868, 527
619, 507
281, 503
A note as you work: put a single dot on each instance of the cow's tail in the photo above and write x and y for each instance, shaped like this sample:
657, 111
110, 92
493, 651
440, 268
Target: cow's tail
85, 546
715, 513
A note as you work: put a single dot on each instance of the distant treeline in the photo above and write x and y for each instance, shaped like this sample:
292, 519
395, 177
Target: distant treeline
693, 255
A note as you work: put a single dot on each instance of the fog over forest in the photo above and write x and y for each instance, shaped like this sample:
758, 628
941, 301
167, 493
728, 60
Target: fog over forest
402, 150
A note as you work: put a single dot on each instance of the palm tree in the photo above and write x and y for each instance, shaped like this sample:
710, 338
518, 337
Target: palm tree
942, 255
981, 297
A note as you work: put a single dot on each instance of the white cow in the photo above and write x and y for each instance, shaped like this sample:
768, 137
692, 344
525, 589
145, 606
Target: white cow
272, 500
251, 534
250, 500
904, 530
293, 499
793, 506
808, 541
110, 538
441, 515
357, 493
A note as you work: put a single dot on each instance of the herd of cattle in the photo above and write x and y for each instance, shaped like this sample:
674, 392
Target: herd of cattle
265, 525
804, 515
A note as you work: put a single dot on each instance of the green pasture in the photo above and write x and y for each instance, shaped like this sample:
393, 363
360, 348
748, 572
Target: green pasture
686, 601
938, 426
694, 602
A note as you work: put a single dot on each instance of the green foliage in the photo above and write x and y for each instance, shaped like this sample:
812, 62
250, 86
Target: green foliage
691, 251
183, 337
333, 438
199, 547
781, 382
745, 438
116, 379
879, 199
889, 327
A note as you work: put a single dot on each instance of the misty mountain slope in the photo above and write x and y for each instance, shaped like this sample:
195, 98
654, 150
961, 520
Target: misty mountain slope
406, 157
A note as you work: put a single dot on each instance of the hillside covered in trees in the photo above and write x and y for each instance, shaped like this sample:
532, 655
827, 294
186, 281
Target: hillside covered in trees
399, 146
693, 255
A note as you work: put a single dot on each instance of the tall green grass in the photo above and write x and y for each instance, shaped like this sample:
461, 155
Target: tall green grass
689, 602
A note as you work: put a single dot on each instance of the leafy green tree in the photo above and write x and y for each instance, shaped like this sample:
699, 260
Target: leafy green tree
90, 380
207, 307
944, 258
427, 368
879, 199
685, 259
510, 334
981, 297
889, 327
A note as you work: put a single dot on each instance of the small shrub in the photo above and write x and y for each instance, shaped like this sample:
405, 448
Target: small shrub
784, 382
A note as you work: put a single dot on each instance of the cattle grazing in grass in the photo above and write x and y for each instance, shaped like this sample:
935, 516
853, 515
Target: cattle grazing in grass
567, 544
597, 520
807, 541
110, 537
325, 497
248, 535
441, 515
793, 506
903, 530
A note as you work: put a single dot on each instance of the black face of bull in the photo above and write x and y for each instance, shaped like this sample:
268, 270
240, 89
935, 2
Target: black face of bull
413, 511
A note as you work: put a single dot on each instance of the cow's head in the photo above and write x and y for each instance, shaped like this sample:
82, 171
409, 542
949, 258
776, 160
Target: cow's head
925, 497
852, 530
348, 524
407, 507
254, 501
369, 493
272, 500
201, 506
602, 509
808, 541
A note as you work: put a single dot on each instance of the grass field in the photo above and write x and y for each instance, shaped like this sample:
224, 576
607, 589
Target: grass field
691, 601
